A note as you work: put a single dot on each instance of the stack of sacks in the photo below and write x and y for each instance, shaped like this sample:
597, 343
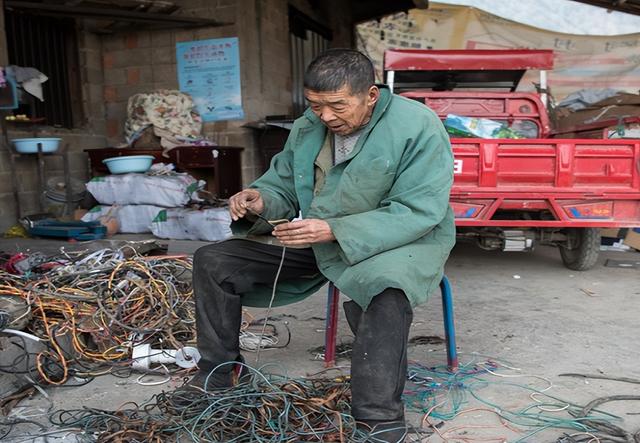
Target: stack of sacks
211, 224
130, 219
156, 202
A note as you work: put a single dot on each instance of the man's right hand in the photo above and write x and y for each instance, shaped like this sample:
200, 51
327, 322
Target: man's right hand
245, 201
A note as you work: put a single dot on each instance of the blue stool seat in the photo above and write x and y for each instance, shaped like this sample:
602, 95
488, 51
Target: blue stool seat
447, 311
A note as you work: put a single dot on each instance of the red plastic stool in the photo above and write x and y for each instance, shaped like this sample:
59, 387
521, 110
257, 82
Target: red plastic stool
331, 330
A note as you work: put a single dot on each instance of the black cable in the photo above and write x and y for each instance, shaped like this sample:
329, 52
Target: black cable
16, 421
19, 359
598, 401
5, 319
602, 377
612, 432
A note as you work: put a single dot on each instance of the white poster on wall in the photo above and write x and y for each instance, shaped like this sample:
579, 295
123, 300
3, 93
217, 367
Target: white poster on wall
209, 71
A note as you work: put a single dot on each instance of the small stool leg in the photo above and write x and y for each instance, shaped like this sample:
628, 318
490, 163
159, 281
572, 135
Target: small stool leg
449, 329
331, 329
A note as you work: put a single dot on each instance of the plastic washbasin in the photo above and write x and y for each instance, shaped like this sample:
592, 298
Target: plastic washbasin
128, 163
30, 145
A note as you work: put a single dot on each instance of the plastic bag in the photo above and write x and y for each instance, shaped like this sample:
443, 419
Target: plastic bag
460, 126
169, 191
132, 219
211, 224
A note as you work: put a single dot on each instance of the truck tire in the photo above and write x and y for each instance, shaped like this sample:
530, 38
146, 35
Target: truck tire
581, 252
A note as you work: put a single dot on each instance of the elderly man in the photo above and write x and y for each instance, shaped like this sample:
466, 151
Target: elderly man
370, 174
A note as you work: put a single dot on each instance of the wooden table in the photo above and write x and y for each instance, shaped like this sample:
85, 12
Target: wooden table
219, 166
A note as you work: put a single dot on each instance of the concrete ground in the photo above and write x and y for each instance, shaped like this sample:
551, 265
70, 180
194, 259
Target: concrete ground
522, 309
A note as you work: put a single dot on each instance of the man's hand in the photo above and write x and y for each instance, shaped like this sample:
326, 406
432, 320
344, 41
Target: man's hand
247, 200
303, 232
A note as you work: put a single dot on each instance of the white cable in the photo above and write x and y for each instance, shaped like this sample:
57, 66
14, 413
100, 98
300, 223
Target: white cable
250, 341
549, 382
273, 296
21, 334
154, 383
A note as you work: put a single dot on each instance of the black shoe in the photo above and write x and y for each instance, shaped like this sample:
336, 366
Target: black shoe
210, 381
205, 383
217, 380
201, 385
379, 431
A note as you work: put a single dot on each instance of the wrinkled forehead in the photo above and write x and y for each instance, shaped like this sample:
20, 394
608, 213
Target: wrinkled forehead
342, 95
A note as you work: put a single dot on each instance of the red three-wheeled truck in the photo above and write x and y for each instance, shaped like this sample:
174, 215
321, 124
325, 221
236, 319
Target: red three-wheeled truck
511, 194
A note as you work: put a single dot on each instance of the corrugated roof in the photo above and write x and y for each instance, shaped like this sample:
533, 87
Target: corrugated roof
627, 6
143, 13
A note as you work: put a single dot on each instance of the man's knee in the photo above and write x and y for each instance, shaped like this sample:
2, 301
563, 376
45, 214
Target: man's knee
219, 260
391, 299
210, 259
203, 258
216, 252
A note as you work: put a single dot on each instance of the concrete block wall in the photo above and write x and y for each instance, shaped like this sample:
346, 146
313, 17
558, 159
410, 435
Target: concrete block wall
115, 67
90, 135
4, 56
144, 61
26, 166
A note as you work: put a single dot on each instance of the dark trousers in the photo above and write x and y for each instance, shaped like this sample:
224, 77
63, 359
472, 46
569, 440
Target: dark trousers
222, 272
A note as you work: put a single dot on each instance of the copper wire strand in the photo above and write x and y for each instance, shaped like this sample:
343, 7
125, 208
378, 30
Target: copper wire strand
101, 305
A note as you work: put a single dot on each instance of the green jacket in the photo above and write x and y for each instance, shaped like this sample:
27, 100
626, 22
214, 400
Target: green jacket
387, 204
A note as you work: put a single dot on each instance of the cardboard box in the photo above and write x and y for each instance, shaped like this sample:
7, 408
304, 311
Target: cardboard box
611, 232
633, 238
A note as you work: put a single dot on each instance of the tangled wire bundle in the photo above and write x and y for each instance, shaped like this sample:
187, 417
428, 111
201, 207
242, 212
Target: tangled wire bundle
91, 310
268, 408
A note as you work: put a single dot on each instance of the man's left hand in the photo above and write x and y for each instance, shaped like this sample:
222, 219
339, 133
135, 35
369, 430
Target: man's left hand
303, 232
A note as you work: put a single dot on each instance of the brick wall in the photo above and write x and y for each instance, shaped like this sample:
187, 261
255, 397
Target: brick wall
4, 57
144, 61
114, 67
89, 135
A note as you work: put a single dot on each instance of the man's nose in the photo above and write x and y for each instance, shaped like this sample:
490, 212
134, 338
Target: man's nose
327, 116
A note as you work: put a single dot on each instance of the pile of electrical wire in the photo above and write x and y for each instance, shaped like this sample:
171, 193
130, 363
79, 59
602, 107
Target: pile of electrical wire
90, 309
442, 395
264, 408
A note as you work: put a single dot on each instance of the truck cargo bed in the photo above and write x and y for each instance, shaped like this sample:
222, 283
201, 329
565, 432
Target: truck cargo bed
567, 182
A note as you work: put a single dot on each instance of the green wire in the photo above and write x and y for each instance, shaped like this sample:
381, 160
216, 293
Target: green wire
275, 408
428, 384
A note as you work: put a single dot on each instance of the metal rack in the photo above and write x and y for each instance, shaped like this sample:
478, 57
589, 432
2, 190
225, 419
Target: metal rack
40, 165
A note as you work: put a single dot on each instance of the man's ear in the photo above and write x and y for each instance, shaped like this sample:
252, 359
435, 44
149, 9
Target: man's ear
373, 95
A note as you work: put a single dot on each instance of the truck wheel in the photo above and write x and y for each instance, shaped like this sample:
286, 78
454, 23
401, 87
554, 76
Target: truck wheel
582, 248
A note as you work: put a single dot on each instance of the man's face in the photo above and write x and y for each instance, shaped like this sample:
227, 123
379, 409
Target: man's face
341, 111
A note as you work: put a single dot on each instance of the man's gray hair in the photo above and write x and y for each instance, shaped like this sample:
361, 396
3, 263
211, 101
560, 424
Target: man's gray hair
336, 68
